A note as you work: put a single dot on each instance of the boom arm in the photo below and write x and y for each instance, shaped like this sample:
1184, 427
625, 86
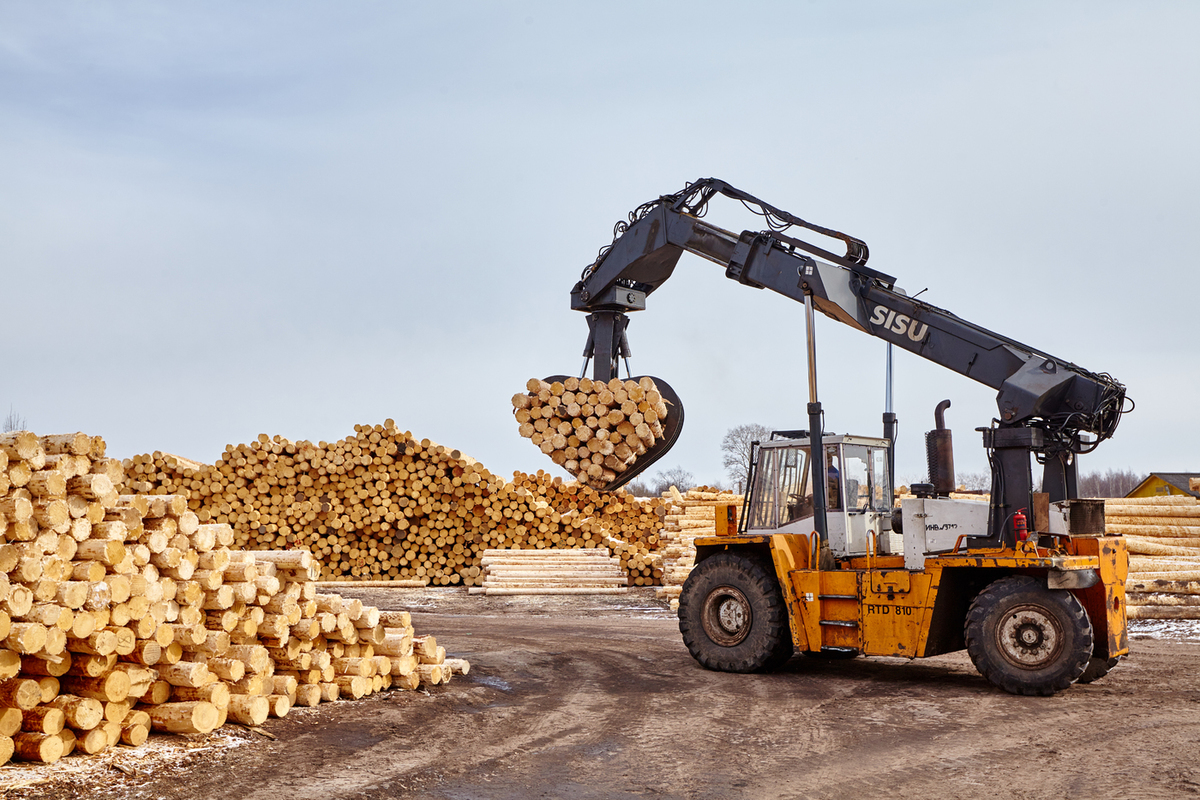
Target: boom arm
1046, 404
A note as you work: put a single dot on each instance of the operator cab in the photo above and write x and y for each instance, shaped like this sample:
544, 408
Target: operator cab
858, 487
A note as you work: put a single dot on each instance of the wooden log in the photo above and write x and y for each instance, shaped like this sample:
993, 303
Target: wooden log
91, 666
81, 713
227, 669
308, 695
10, 720
193, 716
111, 688
1160, 586
21, 693
1161, 599
217, 693
186, 673
249, 709
279, 705
352, 686
460, 666
50, 688
409, 681
92, 741
10, 664
135, 735
44, 747
43, 719
34, 665
430, 674
69, 740
1163, 612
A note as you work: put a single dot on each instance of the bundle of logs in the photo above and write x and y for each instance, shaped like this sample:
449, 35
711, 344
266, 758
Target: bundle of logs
691, 514
593, 430
123, 614
1163, 535
512, 572
382, 505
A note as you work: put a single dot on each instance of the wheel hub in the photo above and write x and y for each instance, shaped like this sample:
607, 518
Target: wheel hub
727, 616
1029, 637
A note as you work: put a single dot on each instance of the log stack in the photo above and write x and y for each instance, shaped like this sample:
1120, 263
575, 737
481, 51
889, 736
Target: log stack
383, 505
519, 572
122, 614
593, 430
691, 514
1163, 536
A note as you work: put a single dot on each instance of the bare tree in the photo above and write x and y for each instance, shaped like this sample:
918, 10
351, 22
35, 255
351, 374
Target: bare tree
14, 421
974, 481
1111, 483
639, 488
735, 450
678, 477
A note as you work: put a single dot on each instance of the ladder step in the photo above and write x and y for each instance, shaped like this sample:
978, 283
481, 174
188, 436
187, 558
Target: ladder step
838, 596
839, 623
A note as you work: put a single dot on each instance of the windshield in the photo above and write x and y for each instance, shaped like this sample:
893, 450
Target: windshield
781, 492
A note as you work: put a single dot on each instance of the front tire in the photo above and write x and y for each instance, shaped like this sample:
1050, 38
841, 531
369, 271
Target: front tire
1027, 639
733, 617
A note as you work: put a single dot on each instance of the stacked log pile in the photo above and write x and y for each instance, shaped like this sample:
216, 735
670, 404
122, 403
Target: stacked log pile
123, 614
382, 505
593, 430
1163, 536
691, 514
517, 572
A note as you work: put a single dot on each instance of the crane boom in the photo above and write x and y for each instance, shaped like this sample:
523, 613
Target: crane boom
1046, 405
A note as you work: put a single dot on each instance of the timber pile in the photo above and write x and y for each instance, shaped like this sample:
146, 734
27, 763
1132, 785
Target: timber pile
1163, 536
124, 614
691, 514
593, 430
514, 572
383, 505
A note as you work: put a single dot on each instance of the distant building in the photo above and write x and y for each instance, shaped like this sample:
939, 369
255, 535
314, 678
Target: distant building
1161, 484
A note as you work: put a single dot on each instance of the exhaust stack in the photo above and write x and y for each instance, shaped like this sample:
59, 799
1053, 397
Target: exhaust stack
939, 451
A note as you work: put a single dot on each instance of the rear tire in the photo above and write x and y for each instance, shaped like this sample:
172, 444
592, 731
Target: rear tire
733, 617
1028, 639
1097, 668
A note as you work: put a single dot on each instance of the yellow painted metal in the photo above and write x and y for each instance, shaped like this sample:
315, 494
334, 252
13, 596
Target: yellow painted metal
894, 622
725, 519
789, 554
880, 608
806, 613
841, 592
1105, 602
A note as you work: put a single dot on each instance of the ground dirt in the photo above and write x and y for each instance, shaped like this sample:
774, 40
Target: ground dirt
596, 697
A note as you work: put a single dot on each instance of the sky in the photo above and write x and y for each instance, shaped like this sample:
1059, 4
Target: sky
223, 219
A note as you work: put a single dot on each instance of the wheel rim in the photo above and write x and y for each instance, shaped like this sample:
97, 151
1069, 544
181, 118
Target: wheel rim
1030, 637
727, 616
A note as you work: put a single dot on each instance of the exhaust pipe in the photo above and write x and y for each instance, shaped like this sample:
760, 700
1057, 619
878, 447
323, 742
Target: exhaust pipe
939, 451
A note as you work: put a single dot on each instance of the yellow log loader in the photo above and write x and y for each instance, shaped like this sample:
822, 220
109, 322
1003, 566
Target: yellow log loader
819, 558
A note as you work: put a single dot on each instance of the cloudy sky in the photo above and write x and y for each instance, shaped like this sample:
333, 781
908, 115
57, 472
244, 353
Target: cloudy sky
222, 219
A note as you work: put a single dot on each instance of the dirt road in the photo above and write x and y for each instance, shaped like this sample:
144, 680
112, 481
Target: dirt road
595, 698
